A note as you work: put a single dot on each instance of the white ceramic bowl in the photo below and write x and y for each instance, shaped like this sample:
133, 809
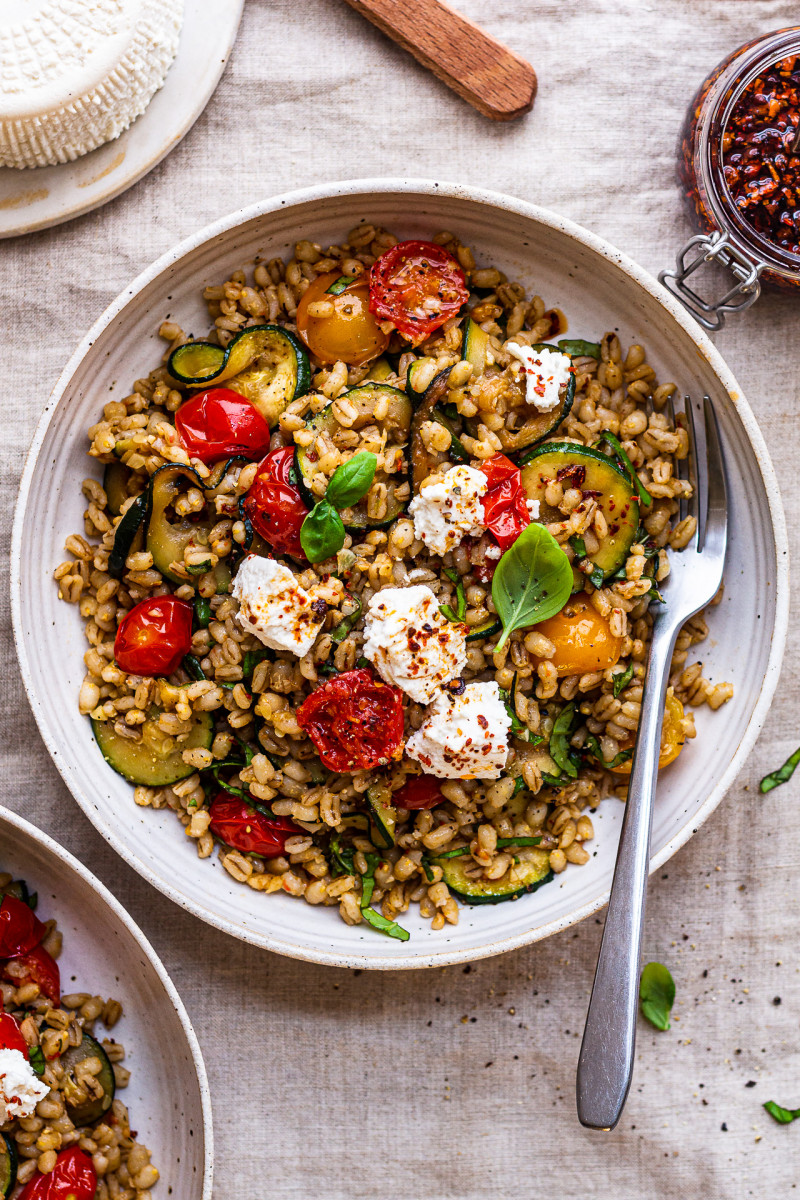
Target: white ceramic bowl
598, 288
107, 954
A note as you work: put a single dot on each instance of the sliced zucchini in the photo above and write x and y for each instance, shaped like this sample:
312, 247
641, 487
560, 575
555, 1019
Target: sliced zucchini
419, 367
167, 539
129, 534
18, 888
380, 370
423, 461
474, 347
487, 629
533, 873
157, 760
383, 816
265, 363
80, 1110
8, 1165
536, 425
598, 478
115, 486
396, 426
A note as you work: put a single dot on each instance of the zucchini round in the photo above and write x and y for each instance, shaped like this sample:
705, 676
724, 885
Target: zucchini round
265, 363
167, 539
383, 817
156, 760
487, 629
475, 346
423, 461
396, 425
129, 534
8, 1165
533, 873
80, 1109
597, 477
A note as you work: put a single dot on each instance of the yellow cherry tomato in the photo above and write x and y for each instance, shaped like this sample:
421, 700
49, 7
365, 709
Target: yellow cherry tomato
672, 736
582, 638
348, 332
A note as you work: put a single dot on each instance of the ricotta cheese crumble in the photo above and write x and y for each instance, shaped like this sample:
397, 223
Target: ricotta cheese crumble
449, 510
274, 607
21, 1089
545, 371
411, 644
465, 736
75, 73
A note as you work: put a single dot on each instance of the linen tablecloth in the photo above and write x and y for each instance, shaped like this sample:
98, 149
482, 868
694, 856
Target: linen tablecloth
459, 1083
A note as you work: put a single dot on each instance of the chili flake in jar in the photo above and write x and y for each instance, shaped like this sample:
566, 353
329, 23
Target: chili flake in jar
761, 155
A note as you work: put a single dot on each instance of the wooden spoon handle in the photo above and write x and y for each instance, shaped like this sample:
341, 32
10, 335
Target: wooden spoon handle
481, 70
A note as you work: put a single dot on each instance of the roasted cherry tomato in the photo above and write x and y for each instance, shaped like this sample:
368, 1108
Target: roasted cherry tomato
582, 638
274, 504
672, 736
417, 286
348, 332
154, 636
505, 511
423, 791
237, 824
37, 966
20, 928
10, 1036
355, 720
72, 1178
218, 422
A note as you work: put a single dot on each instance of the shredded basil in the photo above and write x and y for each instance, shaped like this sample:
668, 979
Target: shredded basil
532, 582
578, 545
340, 285
597, 577
593, 746
426, 866
784, 1116
577, 348
561, 752
202, 612
461, 598
556, 781
322, 532
519, 784
340, 857
346, 624
37, 1060
782, 775
251, 660
362, 662
616, 445
518, 841
657, 994
370, 915
622, 680
459, 853
191, 666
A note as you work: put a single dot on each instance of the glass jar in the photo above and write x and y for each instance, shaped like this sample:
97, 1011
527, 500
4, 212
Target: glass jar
737, 158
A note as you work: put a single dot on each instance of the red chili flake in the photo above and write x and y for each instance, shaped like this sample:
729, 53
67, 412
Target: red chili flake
761, 154
575, 472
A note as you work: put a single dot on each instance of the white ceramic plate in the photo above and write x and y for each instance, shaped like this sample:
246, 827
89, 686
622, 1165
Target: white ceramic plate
43, 196
598, 288
105, 953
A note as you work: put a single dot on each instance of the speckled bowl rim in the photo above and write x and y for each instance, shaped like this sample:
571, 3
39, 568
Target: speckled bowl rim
640, 277
125, 919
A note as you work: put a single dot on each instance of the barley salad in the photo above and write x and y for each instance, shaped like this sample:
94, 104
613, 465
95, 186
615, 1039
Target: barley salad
366, 585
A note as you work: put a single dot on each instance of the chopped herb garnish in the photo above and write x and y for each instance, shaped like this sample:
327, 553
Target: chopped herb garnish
577, 348
782, 775
461, 598
556, 781
202, 612
191, 666
37, 1060
347, 622
657, 994
251, 660
616, 445
578, 545
362, 662
622, 680
561, 752
459, 853
370, 915
597, 577
518, 841
784, 1116
341, 857
593, 746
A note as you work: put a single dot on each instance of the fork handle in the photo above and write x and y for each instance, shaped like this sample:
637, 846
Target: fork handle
606, 1059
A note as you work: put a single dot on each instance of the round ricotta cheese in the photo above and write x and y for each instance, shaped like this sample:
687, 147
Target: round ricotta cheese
75, 73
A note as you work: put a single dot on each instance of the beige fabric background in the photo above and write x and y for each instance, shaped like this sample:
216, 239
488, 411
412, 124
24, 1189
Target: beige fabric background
459, 1084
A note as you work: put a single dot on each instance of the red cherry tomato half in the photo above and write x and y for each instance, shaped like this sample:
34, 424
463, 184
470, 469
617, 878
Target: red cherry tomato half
72, 1178
154, 636
355, 721
10, 1036
418, 286
424, 791
237, 824
37, 966
274, 504
20, 928
218, 422
504, 508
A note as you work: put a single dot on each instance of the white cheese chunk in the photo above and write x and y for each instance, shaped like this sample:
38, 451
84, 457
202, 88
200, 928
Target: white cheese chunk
446, 512
533, 509
75, 73
546, 372
411, 644
274, 607
464, 737
21, 1089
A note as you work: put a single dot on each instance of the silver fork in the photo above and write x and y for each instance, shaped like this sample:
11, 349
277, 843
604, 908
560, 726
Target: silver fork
606, 1059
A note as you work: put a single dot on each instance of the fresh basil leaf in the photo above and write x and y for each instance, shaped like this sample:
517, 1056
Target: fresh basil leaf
657, 994
577, 348
578, 545
622, 680
191, 666
784, 1116
322, 532
346, 624
391, 928
37, 1060
518, 841
560, 749
32, 900
782, 775
532, 582
351, 480
616, 445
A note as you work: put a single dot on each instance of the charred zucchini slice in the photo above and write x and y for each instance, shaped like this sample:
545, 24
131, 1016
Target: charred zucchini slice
383, 817
167, 538
81, 1109
598, 478
475, 346
487, 629
8, 1165
532, 873
115, 486
423, 461
129, 534
265, 363
156, 760
395, 425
